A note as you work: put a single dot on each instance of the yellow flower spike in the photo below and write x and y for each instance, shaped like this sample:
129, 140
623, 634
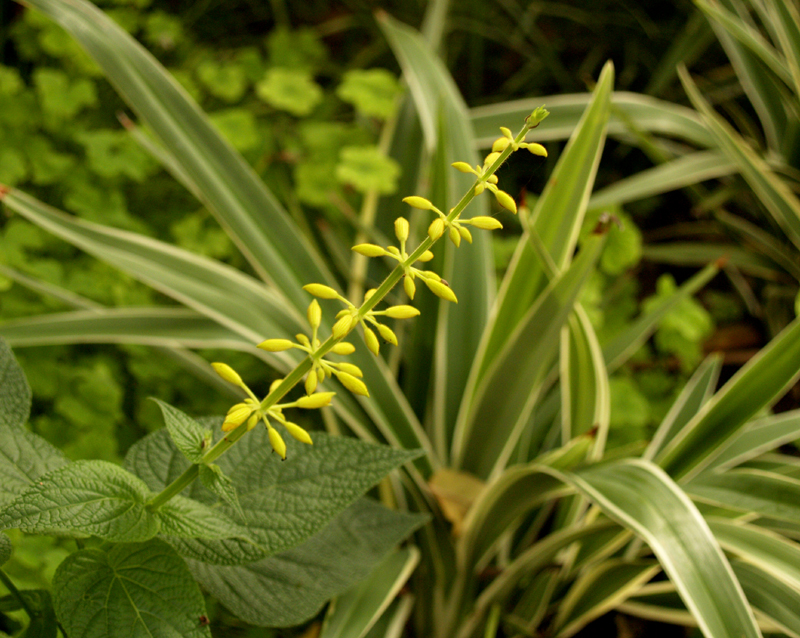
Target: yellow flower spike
492, 179
318, 400
387, 334
463, 167
419, 202
479, 188
342, 327
485, 223
401, 312
229, 374
372, 341
349, 368
276, 442
275, 345
440, 290
436, 229
506, 201
298, 433
401, 228
369, 250
455, 237
344, 348
321, 291
274, 384
500, 144
465, 234
253, 421
311, 382
314, 314
356, 386
490, 158
536, 149
409, 286
426, 256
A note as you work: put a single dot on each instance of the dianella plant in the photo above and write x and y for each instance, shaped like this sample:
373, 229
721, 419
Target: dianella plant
495, 403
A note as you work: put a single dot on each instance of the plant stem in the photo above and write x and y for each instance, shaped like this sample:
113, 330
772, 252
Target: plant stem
296, 375
16, 593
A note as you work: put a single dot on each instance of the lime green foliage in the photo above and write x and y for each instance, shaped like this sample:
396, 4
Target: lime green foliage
373, 92
291, 90
366, 169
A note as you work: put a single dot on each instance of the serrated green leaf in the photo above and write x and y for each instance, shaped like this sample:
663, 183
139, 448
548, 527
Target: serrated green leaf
226, 81
285, 502
291, 90
43, 622
300, 580
374, 92
213, 479
137, 590
189, 436
238, 126
184, 518
366, 168
5, 548
84, 498
61, 98
15, 393
24, 457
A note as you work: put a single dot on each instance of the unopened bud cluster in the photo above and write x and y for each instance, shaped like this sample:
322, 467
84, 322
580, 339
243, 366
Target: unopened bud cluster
251, 411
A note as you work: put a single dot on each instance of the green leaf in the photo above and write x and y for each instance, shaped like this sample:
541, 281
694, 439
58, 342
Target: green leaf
773, 598
43, 622
213, 479
291, 90
24, 457
756, 385
367, 169
285, 502
226, 81
761, 436
84, 498
642, 497
239, 127
189, 436
300, 580
354, 613
61, 98
15, 393
374, 92
137, 590
770, 495
114, 154
184, 518
5, 549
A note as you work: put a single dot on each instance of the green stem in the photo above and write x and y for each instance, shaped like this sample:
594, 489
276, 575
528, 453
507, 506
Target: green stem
16, 593
296, 375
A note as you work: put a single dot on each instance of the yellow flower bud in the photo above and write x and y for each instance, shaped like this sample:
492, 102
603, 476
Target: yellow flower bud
387, 334
506, 201
369, 293
369, 250
479, 188
275, 345
314, 314
276, 442
229, 374
372, 341
401, 228
506, 132
320, 375
463, 167
409, 286
500, 144
418, 202
490, 158
440, 290
454, 236
298, 433
537, 149
393, 250
342, 327
426, 256
301, 338
252, 421
429, 274
321, 291
402, 312
311, 382
436, 229
465, 234
349, 368
484, 222
492, 179
227, 426
318, 400
356, 386
275, 384
343, 347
